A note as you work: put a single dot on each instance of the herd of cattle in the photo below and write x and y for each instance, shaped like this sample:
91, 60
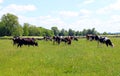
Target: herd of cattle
58, 39
32, 41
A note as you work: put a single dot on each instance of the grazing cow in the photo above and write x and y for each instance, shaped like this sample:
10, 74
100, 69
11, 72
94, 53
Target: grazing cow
56, 39
47, 38
74, 38
24, 41
106, 41
91, 37
16, 40
64, 40
100, 39
68, 40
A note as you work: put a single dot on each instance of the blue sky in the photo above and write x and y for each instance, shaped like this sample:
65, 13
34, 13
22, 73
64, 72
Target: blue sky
103, 15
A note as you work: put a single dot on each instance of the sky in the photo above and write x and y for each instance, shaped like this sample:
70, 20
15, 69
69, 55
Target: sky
103, 15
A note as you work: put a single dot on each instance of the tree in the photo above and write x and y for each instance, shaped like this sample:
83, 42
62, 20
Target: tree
105, 33
71, 32
34, 31
62, 32
77, 33
55, 30
26, 29
94, 31
18, 31
10, 22
2, 29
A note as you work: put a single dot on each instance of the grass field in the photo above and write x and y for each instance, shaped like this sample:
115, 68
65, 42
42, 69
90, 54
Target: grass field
82, 58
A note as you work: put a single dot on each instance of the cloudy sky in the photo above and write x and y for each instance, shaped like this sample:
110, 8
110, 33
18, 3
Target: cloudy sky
103, 15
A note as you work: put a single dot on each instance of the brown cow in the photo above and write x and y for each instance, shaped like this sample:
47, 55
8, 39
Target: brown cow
24, 41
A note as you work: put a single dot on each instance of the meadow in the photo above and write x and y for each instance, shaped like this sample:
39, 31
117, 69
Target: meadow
82, 58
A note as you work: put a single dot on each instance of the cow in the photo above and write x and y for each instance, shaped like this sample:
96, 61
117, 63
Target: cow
92, 37
67, 40
46, 38
24, 41
74, 38
100, 39
106, 41
56, 39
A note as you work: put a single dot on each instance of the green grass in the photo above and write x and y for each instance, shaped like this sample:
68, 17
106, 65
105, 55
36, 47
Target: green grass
82, 58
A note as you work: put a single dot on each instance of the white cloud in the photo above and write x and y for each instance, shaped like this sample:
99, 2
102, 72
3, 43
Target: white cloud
80, 24
21, 8
68, 13
88, 1
1, 1
99, 25
16, 9
115, 17
43, 21
71, 14
109, 8
85, 13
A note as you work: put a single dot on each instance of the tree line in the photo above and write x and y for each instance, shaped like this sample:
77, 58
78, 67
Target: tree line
10, 26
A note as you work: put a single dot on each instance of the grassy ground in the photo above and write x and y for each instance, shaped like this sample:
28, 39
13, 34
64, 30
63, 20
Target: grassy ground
82, 58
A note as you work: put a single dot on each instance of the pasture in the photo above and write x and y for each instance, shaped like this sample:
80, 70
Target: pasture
82, 58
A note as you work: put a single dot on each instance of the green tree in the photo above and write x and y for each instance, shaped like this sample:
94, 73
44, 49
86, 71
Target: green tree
26, 29
34, 31
10, 22
55, 30
62, 32
18, 31
2, 29
77, 33
45, 32
71, 32
105, 33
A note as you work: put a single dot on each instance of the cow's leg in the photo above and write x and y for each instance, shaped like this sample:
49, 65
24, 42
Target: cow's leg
53, 42
19, 45
106, 44
97, 43
58, 42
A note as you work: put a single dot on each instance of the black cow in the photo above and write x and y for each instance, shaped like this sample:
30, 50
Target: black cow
106, 41
56, 39
92, 37
73, 38
103, 40
67, 40
24, 41
46, 38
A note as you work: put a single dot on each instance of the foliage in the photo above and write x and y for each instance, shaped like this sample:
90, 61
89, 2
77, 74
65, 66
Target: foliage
9, 26
55, 30
18, 31
71, 32
26, 29
34, 31
10, 23
63, 32
2, 29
